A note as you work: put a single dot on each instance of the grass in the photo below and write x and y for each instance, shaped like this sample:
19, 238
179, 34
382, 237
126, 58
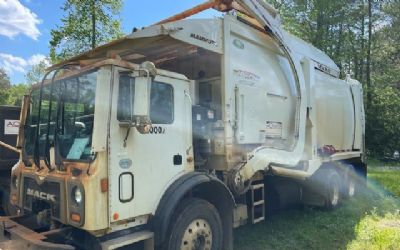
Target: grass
389, 177
369, 221
378, 232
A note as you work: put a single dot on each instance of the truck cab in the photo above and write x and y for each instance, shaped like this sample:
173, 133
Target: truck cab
84, 166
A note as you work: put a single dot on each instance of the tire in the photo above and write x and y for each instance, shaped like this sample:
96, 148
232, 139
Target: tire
332, 190
195, 225
350, 183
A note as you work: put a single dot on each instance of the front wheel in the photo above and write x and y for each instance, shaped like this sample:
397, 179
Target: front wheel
195, 226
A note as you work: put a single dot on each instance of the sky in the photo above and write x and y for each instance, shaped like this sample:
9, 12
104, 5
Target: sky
25, 27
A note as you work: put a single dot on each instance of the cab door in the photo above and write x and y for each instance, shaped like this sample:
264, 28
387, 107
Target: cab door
142, 165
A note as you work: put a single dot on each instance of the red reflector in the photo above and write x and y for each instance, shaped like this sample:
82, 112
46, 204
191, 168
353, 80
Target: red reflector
104, 185
115, 216
75, 217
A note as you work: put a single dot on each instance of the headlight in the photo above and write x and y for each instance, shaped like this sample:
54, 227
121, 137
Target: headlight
77, 195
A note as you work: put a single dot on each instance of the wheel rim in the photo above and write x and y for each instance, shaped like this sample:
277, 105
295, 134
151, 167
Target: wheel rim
352, 187
197, 236
334, 193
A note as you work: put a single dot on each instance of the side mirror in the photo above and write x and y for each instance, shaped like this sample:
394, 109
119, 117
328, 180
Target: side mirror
141, 103
134, 98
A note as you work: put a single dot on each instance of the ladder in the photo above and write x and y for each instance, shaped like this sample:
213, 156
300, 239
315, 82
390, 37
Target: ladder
257, 204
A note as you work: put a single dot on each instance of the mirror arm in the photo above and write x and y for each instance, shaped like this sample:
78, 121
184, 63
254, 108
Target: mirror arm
127, 133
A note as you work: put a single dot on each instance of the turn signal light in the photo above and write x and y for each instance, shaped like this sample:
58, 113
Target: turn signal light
75, 217
115, 216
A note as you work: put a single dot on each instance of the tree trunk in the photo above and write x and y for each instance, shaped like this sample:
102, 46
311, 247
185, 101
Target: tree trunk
319, 35
356, 68
361, 69
369, 52
339, 44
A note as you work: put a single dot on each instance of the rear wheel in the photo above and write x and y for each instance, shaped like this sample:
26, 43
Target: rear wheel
195, 226
332, 189
349, 185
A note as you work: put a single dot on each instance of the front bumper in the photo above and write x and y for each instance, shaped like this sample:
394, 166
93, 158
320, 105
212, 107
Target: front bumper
16, 236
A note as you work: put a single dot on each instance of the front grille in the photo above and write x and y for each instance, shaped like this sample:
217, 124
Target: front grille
45, 196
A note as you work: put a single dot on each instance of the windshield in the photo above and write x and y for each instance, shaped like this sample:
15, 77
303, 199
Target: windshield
66, 118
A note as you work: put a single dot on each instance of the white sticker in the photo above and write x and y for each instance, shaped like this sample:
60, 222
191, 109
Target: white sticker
246, 77
210, 114
273, 129
11, 127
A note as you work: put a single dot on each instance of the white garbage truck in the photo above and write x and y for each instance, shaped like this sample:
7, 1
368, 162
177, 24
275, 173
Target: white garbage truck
181, 131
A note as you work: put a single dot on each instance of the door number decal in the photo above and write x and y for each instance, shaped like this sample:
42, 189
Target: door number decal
157, 130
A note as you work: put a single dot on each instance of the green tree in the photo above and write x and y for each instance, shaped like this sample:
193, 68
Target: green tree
336, 27
87, 24
4, 79
383, 135
37, 72
16, 93
4, 86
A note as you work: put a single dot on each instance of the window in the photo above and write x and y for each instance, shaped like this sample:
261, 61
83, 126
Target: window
161, 101
70, 119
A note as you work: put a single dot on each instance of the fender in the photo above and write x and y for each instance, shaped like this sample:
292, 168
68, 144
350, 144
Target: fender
177, 191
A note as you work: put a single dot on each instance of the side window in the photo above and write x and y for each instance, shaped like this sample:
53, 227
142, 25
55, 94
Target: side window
161, 101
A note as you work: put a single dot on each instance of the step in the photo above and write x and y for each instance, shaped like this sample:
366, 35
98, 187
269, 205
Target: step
257, 186
258, 203
129, 239
258, 220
